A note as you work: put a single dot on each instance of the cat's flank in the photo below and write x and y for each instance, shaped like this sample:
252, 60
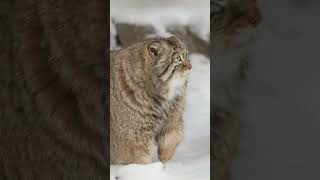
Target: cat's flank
147, 90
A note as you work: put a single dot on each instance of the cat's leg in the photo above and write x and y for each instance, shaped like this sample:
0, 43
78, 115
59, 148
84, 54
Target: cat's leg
168, 139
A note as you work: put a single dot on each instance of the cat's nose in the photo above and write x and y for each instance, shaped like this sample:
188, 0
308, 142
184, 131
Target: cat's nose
187, 64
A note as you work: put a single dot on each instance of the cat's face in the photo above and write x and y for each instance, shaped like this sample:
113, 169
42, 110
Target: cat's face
170, 59
170, 63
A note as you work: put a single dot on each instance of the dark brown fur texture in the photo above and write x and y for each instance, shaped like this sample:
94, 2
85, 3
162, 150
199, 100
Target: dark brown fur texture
53, 76
147, 87
234, 16
230, 68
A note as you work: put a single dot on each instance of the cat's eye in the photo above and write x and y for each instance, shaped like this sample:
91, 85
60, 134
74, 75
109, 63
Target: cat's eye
177, 59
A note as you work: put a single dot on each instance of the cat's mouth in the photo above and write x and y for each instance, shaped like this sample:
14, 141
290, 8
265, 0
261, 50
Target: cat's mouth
184, 69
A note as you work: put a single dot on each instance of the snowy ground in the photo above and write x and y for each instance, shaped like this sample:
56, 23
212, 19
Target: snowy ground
280, 116
192, 158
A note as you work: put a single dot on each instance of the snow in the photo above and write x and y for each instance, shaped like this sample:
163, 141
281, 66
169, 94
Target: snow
192, 157
164, 14
280, 116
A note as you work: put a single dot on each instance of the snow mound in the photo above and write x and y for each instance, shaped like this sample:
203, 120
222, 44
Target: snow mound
164, 15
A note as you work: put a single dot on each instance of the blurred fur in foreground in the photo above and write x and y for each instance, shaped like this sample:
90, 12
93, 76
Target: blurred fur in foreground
232, 23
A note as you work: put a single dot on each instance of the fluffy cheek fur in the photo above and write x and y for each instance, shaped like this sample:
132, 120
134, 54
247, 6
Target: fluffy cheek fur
176, 83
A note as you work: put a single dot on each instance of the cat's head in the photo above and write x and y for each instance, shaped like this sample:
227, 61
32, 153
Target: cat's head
170, 63
169, 58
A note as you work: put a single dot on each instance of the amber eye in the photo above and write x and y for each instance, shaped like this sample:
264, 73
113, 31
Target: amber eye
177, 59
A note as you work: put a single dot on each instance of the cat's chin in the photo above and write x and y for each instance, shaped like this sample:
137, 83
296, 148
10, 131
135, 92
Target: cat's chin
177, 84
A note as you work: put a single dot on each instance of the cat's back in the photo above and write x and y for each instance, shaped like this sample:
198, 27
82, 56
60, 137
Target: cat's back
113, 55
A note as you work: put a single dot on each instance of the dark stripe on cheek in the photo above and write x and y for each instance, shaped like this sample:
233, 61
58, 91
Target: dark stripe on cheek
167, 68
174, 69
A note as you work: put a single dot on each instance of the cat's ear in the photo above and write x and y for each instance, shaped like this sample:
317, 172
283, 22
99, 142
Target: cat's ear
155, 48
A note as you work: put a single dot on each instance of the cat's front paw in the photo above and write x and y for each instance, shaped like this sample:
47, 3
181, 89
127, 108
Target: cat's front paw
167, 144
165, 154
